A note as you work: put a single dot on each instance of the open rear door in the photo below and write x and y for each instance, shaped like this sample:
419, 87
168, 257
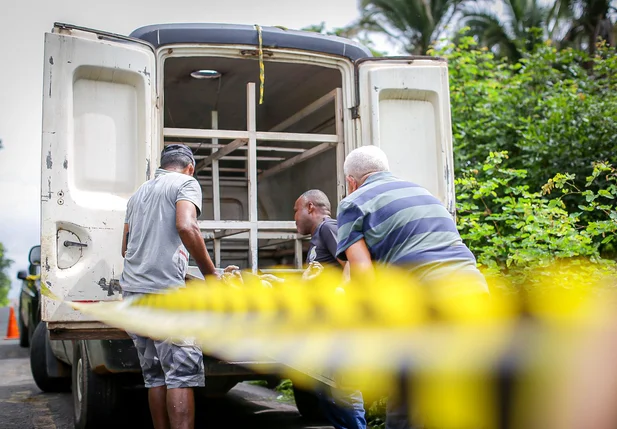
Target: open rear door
404, 108
98, 99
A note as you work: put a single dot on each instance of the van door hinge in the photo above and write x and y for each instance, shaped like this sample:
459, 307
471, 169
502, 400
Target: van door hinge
354, 112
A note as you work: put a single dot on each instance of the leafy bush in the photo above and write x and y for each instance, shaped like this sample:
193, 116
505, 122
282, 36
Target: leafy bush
513, 230
547, 111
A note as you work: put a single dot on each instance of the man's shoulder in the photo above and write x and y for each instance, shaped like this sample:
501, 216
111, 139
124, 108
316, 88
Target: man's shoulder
329, 224
178, 179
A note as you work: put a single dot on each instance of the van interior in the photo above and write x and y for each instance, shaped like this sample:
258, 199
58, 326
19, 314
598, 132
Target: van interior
211, 93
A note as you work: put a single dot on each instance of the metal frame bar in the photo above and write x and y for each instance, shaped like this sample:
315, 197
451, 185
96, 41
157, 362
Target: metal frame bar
341, 187
244, 158
215, 156
314, 151
251, 123
311, 108
253, 229
216, 191
192, 133
243, 234
259, 148
265, 225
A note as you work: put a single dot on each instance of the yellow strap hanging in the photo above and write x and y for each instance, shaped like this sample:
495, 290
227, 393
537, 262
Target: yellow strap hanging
262, 74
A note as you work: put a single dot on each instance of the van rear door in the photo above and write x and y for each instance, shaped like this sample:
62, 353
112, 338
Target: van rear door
99, 97
404, 108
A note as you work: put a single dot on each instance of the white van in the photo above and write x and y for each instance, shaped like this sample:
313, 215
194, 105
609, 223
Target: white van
111, 103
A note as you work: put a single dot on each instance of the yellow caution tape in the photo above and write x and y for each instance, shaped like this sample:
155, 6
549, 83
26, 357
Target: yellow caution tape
262, 73
451, 338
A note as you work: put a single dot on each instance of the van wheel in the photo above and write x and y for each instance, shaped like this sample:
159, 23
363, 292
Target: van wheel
308, 404
95, 397
38, 363
31, 328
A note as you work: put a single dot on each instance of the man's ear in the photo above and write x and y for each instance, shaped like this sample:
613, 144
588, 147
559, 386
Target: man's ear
191, 169
351, 184
310, 207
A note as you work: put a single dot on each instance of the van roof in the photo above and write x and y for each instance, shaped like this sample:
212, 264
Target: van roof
237, 34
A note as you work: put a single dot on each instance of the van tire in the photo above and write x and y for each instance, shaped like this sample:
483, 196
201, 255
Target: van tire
95, 397
38, 363
308, 405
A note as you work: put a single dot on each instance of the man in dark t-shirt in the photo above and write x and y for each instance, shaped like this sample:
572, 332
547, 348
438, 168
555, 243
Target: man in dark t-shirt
312, 216
344, 409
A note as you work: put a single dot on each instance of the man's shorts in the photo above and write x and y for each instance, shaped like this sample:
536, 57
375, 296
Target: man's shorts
167, 363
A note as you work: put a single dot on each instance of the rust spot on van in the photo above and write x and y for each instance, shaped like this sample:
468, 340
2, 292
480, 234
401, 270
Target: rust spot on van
66, 164
51, 61
111, 287
47, 267
146, 72
49, 161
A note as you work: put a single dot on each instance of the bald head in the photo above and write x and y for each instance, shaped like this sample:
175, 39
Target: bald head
365, 160
310, 209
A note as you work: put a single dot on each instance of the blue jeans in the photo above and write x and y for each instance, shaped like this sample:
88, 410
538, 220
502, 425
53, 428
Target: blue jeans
344, 409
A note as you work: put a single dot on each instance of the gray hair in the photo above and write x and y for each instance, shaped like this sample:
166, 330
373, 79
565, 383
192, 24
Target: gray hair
365, 160
318, 198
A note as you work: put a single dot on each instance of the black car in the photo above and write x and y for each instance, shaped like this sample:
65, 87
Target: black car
29, 314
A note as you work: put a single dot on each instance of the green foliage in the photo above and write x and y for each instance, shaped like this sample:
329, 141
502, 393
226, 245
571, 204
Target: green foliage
515, 230
376, 414
518, 25
414, 25
5, 281
261, 383
547, 111
285, 388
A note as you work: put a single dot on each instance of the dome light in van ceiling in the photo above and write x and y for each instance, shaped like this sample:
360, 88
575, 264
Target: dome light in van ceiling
205, 74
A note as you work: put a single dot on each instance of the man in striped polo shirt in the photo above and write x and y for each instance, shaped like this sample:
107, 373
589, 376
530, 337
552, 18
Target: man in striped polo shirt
390, 221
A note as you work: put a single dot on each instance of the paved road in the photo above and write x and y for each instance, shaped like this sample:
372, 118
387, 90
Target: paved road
24, 406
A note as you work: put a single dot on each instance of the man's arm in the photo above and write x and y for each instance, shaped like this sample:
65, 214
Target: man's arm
188, 228
125, 239
359, 259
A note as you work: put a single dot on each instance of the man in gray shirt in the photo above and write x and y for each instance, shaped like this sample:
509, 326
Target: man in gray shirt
160, 231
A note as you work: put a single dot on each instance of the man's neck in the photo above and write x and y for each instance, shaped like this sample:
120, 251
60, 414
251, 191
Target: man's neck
322, 218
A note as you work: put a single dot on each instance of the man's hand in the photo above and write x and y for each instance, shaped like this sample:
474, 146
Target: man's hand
231, 268
313, 270
359, 260
125, 239
188, 228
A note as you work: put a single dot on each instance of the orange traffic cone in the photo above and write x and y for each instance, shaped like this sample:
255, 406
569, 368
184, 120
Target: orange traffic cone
12, 332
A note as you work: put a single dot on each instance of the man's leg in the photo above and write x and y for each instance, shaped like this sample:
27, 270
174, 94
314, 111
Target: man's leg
157, 400
181, 408
398, 413
184, 370
154, 380
344, 408
154, 377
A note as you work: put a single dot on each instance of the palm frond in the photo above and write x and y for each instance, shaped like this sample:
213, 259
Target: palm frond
491, 33
417, 23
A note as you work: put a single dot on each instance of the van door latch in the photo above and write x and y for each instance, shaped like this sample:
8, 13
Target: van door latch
74, 244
